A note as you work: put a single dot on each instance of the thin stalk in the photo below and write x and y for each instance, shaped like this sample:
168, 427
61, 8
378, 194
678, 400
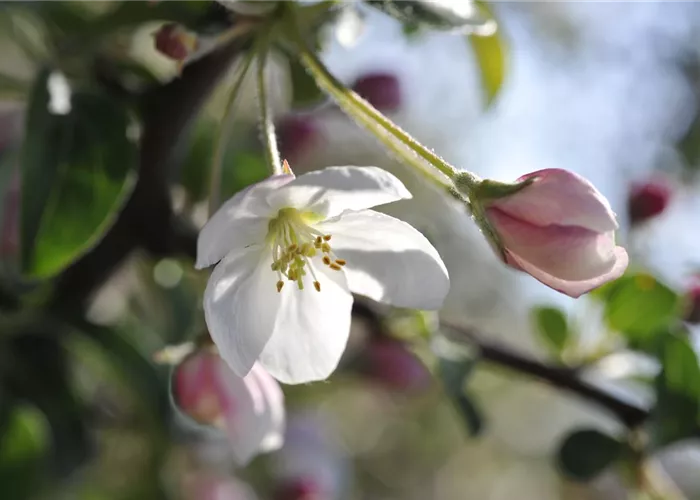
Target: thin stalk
267, 125
365, 113
224, 133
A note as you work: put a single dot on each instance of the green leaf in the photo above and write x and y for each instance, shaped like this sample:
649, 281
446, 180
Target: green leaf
23, 448
77, 171
675, 415
436, 14
586, 453
454, 374
11, 87
491, 54
305, 92
244, 168
552, 328
639, 306
40, 373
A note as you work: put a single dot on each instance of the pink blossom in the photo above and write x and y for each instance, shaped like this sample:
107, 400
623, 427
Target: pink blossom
250, 410
561, 230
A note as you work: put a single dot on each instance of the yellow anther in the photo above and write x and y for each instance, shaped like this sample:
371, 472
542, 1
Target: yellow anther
295, 242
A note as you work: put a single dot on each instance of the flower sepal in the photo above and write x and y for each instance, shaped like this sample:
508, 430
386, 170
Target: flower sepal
480, 190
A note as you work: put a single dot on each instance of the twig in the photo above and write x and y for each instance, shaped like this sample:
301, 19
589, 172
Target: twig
563, 378
147, 219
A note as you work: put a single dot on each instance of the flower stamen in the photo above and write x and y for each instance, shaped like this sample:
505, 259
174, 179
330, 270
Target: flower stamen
294, 243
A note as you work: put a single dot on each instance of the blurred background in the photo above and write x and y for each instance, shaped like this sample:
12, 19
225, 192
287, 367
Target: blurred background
98, 236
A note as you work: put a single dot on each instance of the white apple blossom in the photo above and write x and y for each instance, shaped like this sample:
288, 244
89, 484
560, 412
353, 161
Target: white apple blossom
292, 250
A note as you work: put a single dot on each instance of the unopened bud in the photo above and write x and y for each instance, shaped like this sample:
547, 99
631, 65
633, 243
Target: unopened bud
300, 489
381, 90
295, 134
175, 42
693, 315
647, 200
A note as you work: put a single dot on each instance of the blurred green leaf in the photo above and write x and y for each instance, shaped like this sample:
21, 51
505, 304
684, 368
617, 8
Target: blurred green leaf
491, 53
196, 165
454, 374
78, 169
243, 169
689, 145
433, 13
132, 364
552, 328
639, 306
38, 371
11, 87
675, 415
305, 92
23, 448
586, 453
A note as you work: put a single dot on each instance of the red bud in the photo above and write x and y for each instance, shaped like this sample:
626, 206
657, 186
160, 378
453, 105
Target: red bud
648, 200
694, 307
381, 90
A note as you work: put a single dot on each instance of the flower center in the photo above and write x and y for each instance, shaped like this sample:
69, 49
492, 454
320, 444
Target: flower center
294, 243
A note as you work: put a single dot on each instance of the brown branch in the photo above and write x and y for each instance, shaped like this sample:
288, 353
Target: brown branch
563, 378
147, 220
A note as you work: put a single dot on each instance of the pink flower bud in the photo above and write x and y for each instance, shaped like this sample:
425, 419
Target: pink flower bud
173, 41
394, 366
647, 200
295, 134
300, 489
693, 315
250, 410
381, 90
561, 230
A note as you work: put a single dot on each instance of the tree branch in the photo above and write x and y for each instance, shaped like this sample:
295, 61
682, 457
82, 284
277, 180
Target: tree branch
563, 378
147, 220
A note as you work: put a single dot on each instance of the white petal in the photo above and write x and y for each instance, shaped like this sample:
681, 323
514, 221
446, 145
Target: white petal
388, 260
311, 331
331, 191
240, 304
241, 221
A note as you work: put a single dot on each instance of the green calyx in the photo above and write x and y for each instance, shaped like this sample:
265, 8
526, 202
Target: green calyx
480, 191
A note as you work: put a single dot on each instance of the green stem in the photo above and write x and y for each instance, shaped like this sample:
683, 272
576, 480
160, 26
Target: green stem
224, 133
267, 125
367, 115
